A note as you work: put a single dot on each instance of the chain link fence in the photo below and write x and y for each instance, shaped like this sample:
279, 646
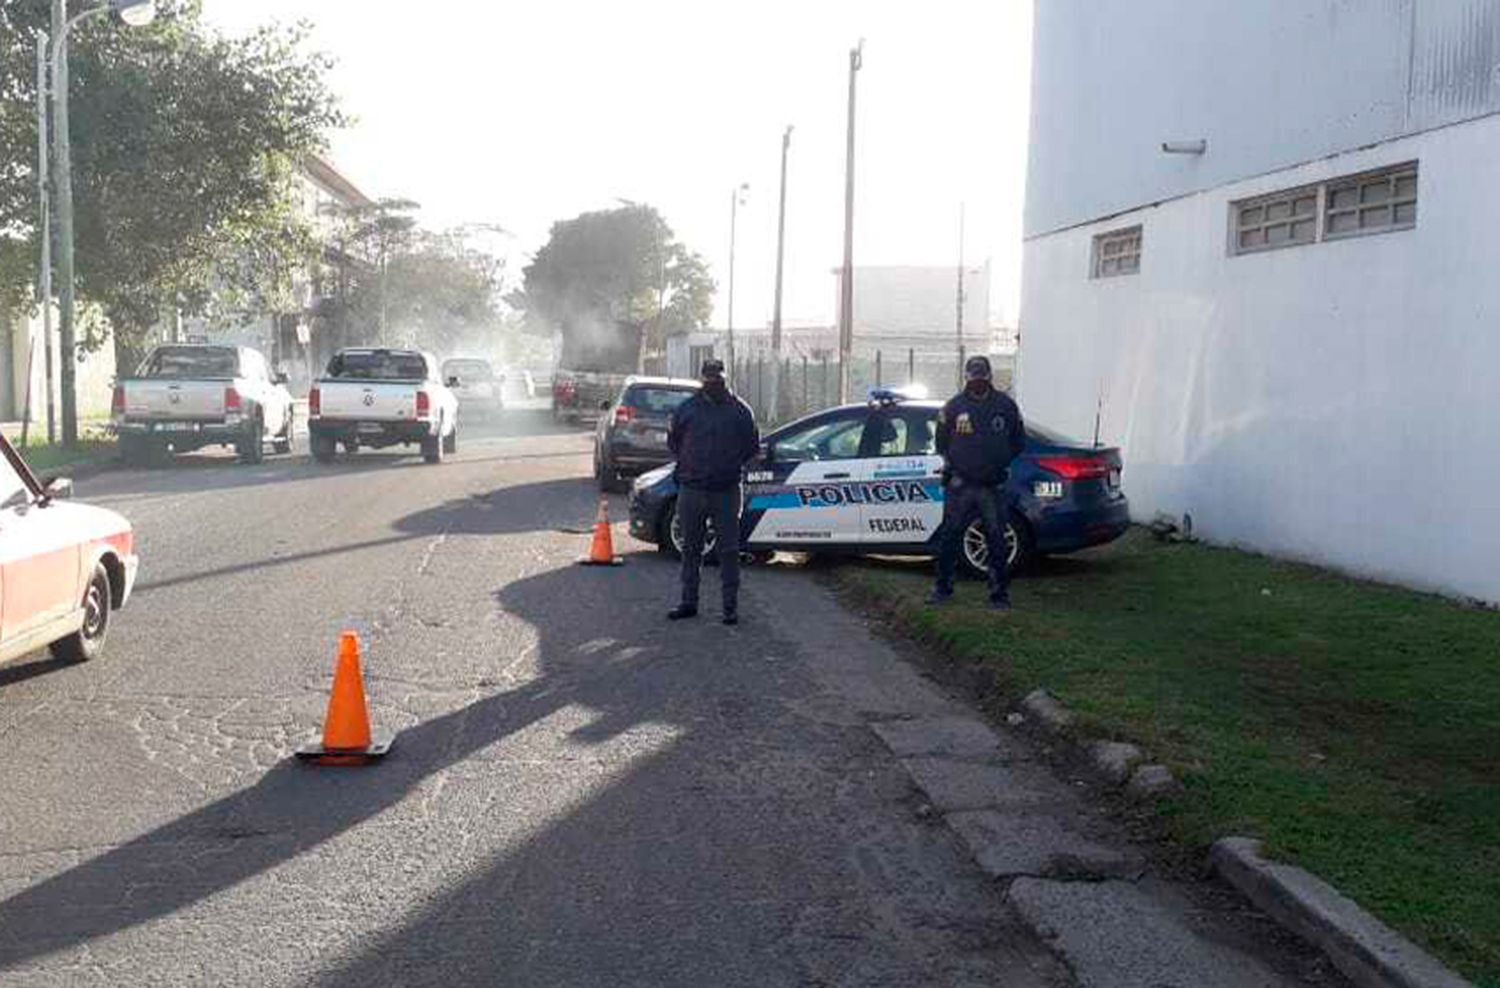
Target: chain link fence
810, 384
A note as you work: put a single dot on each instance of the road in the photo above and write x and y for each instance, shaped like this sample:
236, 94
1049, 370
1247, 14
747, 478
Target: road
581, 794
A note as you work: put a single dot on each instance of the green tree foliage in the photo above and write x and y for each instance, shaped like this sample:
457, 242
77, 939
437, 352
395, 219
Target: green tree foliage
619, 266
185, 145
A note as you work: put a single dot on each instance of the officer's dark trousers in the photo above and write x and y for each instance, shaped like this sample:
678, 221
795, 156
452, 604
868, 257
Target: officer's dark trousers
695, 508
963, 503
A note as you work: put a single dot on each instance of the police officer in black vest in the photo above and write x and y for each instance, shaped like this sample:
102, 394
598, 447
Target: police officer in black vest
979, 433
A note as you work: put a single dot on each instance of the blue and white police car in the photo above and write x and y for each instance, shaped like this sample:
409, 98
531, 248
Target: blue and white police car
866, 479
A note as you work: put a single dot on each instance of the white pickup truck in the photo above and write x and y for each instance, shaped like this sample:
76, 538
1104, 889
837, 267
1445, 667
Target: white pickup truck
378, 397
187, 396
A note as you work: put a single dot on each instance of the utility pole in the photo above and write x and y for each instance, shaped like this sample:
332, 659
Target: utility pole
786, 143
959, 319
846, 286
63, 189
44, 197
735, 198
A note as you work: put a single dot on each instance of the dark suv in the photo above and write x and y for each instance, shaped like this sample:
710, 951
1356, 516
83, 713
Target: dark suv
632, 433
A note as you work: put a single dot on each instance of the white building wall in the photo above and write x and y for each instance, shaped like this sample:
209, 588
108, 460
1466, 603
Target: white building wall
1268, 83
1335, 402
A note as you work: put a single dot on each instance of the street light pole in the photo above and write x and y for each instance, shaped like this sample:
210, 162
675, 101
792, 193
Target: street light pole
735, 198
786, 143
44, 199
846, 284
133, 13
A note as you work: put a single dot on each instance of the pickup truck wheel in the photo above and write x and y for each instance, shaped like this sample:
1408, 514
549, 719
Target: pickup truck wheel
252, 446
324, 448
134, 451
283, 443
88, 641
432, 449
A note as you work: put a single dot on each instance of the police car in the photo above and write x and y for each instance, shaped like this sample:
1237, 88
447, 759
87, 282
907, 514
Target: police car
866, 479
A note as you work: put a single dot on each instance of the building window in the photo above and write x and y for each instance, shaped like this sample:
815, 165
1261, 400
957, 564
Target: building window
1117, 253
1373, 202
1279, 220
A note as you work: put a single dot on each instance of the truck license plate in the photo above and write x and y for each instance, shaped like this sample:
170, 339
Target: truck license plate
175, 427
371, 427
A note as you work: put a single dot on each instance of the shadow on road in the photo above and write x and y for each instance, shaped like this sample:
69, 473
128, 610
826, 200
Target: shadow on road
567, 503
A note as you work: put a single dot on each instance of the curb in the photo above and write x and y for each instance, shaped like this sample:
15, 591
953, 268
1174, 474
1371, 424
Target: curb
1369, 953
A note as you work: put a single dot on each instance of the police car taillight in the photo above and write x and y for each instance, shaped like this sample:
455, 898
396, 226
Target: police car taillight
1076, 467
624, 414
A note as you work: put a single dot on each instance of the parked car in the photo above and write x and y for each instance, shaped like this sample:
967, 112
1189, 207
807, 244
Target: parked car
379, 397
65, 568
631, 437
188, 396
478, 389
866, 479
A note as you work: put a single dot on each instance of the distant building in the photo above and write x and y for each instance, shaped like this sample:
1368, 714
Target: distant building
1264, 234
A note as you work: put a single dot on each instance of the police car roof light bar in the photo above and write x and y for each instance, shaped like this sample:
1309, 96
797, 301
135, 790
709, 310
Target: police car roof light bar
890, 396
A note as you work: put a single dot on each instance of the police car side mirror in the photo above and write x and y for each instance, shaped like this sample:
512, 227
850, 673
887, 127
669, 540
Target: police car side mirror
767, 452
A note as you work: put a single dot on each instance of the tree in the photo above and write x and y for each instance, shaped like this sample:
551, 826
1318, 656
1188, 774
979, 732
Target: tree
185, 145
619, 265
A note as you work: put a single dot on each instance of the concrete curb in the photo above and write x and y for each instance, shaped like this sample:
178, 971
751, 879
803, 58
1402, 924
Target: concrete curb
1368, 952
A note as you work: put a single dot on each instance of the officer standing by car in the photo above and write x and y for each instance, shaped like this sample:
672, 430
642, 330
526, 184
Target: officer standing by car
713, 436
979, 433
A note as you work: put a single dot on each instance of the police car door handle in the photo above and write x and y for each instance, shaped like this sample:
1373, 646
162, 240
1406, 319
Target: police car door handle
835, 476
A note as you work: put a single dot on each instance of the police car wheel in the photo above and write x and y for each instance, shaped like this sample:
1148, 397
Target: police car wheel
672, 534
975, 553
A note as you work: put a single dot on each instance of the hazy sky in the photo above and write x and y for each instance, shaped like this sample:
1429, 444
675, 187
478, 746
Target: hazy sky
523, 114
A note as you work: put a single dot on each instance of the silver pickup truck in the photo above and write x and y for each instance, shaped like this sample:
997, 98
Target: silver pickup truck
379, 397
188, 396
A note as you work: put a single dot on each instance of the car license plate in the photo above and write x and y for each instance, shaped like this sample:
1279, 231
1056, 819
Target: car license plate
371, 427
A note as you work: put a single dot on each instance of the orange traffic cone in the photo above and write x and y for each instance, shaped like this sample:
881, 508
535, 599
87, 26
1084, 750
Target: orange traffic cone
347, 739
602, 549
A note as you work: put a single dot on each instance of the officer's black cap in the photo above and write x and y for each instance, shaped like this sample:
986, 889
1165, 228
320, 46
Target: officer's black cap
713, 369
977, 368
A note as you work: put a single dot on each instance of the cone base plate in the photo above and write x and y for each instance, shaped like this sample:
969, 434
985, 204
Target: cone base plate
616, 561
380, 745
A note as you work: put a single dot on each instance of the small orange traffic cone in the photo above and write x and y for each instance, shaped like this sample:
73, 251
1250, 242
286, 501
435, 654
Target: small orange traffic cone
347, 739
602, 549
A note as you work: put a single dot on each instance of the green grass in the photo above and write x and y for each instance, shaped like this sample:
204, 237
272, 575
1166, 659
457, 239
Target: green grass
95, 445
1354, 727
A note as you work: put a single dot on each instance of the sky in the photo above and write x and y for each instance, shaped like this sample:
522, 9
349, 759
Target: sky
524, 114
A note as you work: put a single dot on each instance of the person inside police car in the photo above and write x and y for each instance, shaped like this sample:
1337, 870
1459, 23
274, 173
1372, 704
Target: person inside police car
713, 435
979, 433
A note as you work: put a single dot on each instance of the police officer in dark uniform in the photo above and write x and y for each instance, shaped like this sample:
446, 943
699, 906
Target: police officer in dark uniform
713, 435
979, 433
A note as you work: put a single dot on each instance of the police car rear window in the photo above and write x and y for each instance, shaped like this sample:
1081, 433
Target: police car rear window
1042, 434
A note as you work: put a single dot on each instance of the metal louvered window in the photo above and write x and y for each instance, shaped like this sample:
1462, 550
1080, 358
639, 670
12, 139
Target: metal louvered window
1280, 220
1117, 252
1351, 206
1371, 203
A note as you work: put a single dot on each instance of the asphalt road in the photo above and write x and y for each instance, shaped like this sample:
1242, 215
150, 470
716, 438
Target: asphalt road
581, 794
